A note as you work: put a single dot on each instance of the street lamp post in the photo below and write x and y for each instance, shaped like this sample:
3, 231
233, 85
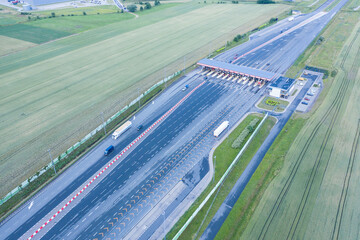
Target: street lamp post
214, 168
102, 117
164, 225
52, 161
139, 96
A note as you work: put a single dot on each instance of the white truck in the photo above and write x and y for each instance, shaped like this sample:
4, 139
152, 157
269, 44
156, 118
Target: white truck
121, 130
221, 128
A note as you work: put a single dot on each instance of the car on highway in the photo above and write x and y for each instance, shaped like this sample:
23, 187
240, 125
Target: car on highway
186, 87
109, 150
205, 78
140, 127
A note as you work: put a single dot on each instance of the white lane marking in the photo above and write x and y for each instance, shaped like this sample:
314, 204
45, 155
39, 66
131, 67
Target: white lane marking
31, 204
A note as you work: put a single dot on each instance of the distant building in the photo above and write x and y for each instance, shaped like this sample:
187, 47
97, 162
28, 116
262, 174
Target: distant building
281, 87
44, 2
296, 12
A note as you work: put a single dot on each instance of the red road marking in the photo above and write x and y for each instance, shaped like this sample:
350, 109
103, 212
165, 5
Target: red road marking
167, 113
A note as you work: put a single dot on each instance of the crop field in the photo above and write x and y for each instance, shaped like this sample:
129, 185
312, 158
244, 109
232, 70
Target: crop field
53, 94
14, 46
316, 194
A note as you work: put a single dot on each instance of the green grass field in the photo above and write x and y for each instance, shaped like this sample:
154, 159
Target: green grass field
270, 166
10, 45
315, 195
52, 90
225, 154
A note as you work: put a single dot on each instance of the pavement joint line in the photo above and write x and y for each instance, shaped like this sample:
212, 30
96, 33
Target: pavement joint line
117, 158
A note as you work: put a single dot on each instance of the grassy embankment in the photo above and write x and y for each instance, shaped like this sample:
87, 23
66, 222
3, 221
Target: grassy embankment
66, 84
225, 154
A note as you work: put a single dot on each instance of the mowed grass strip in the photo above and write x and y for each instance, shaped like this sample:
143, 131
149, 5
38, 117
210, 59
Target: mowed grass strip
315, 195
269, 167
52, 97
225, 154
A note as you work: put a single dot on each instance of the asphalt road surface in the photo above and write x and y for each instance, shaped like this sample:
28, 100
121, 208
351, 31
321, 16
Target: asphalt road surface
170, 155
226, 207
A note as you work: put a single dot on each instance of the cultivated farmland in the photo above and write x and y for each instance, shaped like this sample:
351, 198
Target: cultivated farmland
51, 95
315, 196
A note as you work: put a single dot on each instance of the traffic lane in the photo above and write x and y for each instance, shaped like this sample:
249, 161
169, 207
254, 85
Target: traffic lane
151, 139
149, 189
119, 145
226, 207
192, 178
53, 202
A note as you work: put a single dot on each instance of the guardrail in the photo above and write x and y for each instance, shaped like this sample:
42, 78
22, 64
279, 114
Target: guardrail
220, 181
87, 137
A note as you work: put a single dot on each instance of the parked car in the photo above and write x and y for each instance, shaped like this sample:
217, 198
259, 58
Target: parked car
307, 99
305, 103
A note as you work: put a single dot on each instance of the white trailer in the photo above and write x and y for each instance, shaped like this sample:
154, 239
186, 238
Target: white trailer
121, 130
221, 128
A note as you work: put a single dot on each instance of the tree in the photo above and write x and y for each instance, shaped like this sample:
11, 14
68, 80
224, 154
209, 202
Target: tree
147, 5
264, 1
141, 8
53, 14
132, 8
157, 2
84, 13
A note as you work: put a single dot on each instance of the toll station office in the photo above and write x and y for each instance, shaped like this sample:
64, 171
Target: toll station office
281, 87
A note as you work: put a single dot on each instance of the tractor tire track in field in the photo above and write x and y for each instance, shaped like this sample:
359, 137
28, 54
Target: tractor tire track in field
336, 106
341, 205
303, 203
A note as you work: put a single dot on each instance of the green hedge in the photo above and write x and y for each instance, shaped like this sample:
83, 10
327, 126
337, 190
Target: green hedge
240, 139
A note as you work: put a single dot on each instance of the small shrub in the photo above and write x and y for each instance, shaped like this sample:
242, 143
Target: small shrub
132, 8
333, 73
84, 13
272, 20
141, 8
147, 5
53, 14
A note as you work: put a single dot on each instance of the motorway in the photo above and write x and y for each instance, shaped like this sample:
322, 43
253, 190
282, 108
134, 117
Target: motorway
172, 156
282, 118
115, 204
255, 59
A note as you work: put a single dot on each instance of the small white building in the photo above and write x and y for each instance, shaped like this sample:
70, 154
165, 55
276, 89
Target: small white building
281, 87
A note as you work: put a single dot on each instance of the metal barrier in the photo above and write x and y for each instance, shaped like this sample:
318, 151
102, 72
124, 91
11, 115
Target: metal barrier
87, 137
